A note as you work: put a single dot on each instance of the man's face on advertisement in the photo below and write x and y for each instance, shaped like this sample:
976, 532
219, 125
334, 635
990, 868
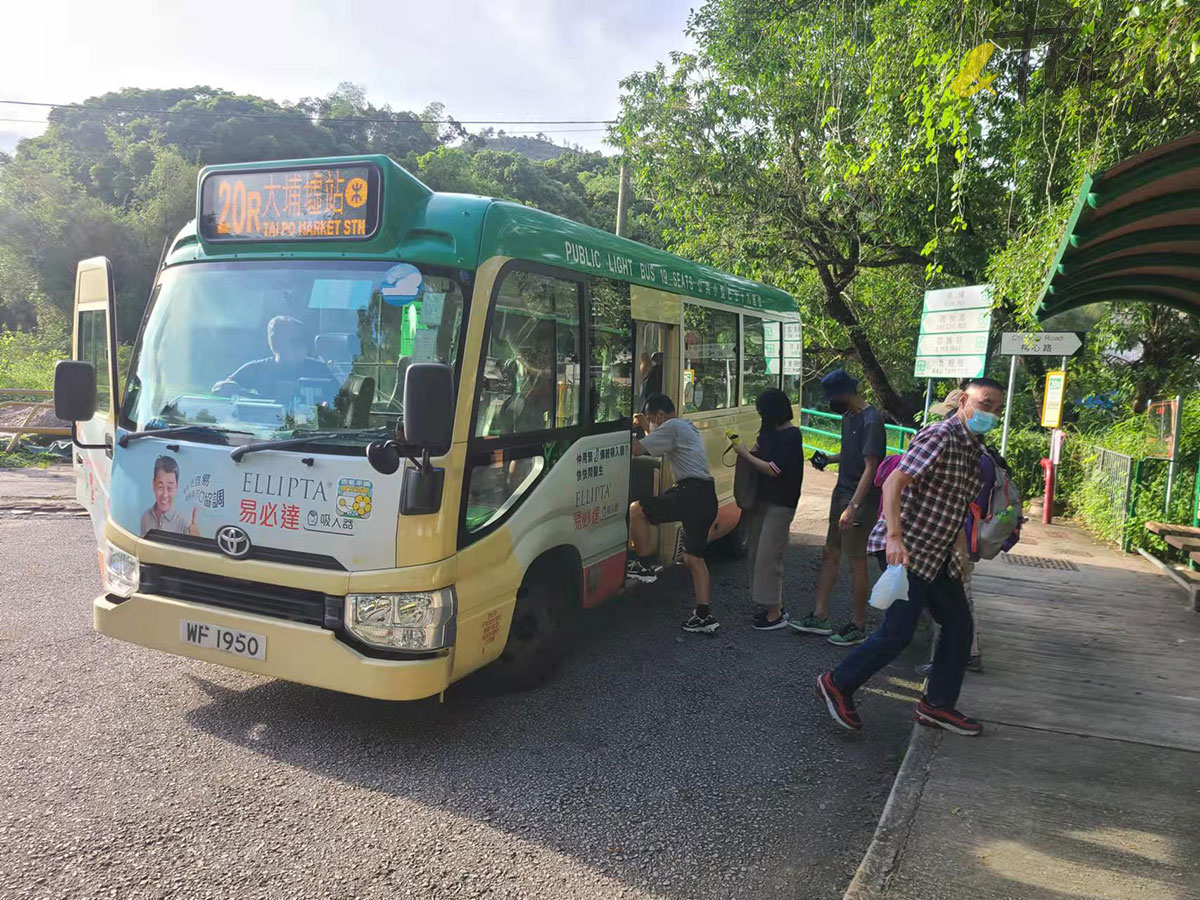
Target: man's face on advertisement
165, 485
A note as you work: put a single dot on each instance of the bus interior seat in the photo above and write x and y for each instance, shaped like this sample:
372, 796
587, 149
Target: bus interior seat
645, 477
354, 400
339, 349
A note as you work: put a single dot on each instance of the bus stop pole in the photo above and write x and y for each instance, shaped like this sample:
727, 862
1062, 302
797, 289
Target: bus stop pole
928, 399
1012, 377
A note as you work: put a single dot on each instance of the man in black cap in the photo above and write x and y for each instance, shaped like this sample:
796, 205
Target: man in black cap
853, 509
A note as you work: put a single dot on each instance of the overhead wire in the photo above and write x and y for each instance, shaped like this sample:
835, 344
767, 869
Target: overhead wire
394, 118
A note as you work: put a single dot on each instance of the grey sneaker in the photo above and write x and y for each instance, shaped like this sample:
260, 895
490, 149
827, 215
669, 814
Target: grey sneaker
810, 624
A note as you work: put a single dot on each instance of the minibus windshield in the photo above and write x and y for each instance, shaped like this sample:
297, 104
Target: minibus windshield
275, 350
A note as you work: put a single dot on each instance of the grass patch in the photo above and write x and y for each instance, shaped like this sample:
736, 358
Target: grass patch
21, 459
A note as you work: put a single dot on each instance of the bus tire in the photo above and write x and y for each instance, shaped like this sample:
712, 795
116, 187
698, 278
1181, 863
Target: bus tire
536, 637
736, 544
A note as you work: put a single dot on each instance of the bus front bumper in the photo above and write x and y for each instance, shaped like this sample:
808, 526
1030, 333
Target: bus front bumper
294, 652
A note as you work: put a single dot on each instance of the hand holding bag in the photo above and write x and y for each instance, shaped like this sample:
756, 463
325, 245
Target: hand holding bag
891, 586
745, 484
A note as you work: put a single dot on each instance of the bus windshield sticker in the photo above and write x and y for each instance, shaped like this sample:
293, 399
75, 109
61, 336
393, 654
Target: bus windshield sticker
327, 203
340, 293
424, 347
431, 308
402, 284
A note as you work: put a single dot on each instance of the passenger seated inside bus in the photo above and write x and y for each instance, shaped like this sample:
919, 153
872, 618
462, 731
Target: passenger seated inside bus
277, 375
652, 374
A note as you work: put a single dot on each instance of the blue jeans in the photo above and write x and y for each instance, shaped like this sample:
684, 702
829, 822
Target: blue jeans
947, 602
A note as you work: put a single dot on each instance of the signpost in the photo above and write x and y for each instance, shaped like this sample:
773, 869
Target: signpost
1023, 343
955, 324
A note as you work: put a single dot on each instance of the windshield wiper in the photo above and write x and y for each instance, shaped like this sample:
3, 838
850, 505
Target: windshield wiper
177, 429
300, 440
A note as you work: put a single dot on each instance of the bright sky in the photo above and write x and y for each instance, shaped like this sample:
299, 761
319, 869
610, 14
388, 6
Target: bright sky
484, 59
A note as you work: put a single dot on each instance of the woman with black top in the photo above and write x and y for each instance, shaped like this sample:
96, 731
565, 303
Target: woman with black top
778, 458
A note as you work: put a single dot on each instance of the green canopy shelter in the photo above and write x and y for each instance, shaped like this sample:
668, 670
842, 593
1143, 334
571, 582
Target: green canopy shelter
1134, 234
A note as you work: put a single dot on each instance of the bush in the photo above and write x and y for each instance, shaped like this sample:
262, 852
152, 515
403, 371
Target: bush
1089, 497
1027, 447
27, 358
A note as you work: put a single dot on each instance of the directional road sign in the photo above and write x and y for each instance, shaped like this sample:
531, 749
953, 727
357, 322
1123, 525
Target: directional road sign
950, 366
956, 320
952, 344
1050, 343
977, 296
955, 324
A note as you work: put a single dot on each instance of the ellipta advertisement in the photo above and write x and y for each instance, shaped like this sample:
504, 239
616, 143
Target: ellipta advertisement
338, 506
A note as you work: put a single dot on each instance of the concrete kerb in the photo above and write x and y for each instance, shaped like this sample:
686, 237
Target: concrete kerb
895, 824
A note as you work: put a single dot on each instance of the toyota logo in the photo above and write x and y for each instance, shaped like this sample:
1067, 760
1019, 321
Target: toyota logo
232, 541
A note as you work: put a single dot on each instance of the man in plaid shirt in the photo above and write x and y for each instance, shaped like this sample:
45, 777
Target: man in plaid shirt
924, 502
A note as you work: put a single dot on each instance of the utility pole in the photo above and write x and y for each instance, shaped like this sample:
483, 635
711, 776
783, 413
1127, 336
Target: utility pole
623, 203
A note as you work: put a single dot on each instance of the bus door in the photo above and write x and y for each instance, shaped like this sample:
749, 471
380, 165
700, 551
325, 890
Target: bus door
655, 350
95, 340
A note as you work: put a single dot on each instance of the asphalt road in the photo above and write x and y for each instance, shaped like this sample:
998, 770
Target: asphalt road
656, 764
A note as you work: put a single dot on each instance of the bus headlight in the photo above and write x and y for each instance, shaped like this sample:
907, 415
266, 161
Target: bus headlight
421, 620
122, 575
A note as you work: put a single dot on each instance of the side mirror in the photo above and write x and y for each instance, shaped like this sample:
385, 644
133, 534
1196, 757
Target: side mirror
429, 406
74, 390
384, 457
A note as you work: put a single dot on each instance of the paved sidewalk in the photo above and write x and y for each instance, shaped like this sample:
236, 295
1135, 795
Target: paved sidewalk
1086, 782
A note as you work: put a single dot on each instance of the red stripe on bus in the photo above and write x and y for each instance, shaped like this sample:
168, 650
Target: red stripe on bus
603, 579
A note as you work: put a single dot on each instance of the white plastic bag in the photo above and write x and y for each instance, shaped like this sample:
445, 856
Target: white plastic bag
891, 586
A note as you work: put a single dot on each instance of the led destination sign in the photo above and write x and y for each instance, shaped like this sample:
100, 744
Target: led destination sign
328, 203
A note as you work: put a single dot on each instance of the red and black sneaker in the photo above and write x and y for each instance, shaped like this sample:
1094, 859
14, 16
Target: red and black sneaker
950, 719
840, 706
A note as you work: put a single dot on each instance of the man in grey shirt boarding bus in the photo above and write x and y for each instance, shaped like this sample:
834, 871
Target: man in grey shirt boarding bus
692, 501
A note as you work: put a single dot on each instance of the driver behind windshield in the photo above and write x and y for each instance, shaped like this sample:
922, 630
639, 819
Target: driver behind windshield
275, 377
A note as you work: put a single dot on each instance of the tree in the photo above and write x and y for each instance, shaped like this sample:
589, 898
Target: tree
772, 153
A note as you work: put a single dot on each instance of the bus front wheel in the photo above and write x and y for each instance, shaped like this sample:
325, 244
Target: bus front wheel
538, 631
736, 544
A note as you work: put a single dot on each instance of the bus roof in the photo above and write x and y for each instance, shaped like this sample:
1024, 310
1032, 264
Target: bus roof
461, 230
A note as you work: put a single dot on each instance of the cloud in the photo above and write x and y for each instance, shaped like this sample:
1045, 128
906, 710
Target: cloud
500, 59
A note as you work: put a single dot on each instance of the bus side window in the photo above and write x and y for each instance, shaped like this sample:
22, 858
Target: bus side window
610, 349
760, 356
93, 348
531, 377
711, 353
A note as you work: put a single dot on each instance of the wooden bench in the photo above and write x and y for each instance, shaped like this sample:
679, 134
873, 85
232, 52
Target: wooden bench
1186, 539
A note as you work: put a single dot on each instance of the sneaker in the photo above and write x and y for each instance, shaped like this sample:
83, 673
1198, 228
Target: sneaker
697, 625
975, 663
762, 623
950, 719
810, 624
848, 636
923, 669
636, 570
840, 706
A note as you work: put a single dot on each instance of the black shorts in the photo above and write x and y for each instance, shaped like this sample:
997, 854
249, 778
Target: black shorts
692, 502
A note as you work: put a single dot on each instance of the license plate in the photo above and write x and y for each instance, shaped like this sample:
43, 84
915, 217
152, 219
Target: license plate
239, 643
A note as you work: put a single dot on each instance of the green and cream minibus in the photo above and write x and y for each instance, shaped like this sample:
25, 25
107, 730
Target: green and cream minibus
374, 437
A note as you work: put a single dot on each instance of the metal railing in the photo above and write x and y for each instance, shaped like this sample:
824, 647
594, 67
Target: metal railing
39, 401
1117, 474
898, 436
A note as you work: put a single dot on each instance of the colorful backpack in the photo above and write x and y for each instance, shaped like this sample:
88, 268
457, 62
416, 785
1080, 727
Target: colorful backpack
994, 521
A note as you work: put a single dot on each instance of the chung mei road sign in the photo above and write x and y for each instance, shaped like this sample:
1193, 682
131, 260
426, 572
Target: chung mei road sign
1050, 343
